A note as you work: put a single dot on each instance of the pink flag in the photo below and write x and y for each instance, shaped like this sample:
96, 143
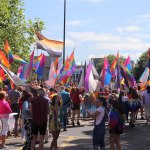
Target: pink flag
52, 75
30, 66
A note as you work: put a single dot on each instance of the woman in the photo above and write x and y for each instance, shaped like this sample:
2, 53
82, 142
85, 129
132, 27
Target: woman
134, 105
116, 125
99, 128
75, 92
55, 121
123, 101
146, 102
5, 110
26, 115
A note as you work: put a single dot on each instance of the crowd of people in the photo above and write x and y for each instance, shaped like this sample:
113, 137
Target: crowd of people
42, 111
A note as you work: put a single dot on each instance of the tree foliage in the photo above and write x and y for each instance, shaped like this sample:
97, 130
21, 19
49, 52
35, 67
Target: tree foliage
140, 65
15, 28
99, 65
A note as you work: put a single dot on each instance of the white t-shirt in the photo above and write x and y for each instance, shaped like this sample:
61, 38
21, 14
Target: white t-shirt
100, 116
124, 99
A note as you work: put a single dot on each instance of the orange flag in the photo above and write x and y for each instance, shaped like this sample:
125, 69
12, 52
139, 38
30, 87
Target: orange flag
6, 46
3, 59
2, 75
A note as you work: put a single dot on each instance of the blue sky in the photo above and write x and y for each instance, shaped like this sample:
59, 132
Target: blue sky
96, 28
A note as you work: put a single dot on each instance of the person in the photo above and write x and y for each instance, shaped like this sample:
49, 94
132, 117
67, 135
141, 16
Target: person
146, 102
55, 121
5, 110
66, 101
116, 125
27, 116
123, 101
99, 128
39, 111
14, 97
75, 92
134, 105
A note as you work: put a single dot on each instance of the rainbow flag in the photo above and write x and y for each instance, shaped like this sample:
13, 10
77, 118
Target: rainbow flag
53, 47
40, 67
113, 66
6, 46
36, 61
69, 68
30, 67
19, 59
2, 75
10, 57
4, 60
106, 73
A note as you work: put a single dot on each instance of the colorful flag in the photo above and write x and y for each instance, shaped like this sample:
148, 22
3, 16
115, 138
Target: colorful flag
4, 60
2, 75
106, 74
22, 72
6, 46
144, 76
40, 67
90, 83
53, 48
113, 66
19, 59
36, 61
60, 65
52, 75
14, 78
10, 57
30, 67
127, 63
149, 58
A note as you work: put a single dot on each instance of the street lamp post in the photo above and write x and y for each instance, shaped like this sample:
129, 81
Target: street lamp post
64, 31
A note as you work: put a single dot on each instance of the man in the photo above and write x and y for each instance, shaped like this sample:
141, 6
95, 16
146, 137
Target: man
14, 97
66, 104
40, 111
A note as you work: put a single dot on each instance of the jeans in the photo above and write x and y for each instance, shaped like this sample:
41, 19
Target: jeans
98, 136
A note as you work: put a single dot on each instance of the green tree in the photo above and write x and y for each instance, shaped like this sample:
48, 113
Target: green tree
15, 28
99, 65
140, 65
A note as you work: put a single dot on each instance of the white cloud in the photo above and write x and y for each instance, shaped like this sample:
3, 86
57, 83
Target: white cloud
109, 41
70, 43
144, 16
132, 28
78, 22
92, 36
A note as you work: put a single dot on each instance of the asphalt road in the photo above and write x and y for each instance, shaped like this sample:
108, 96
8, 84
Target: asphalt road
80, 138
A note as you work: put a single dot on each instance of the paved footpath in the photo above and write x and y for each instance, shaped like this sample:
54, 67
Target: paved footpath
80, 138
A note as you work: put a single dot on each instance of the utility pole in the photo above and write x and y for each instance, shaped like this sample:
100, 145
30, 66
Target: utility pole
64, 32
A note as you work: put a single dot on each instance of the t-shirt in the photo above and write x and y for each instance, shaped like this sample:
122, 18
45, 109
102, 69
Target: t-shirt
40, 110
14, 96
99, 118
124, 99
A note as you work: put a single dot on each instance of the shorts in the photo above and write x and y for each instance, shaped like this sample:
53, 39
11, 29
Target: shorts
39, 128
4, 126
76, 107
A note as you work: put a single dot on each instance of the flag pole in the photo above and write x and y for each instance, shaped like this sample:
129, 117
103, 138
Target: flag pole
64, 31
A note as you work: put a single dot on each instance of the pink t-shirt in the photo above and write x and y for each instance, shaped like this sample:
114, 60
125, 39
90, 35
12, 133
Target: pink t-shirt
5, 109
